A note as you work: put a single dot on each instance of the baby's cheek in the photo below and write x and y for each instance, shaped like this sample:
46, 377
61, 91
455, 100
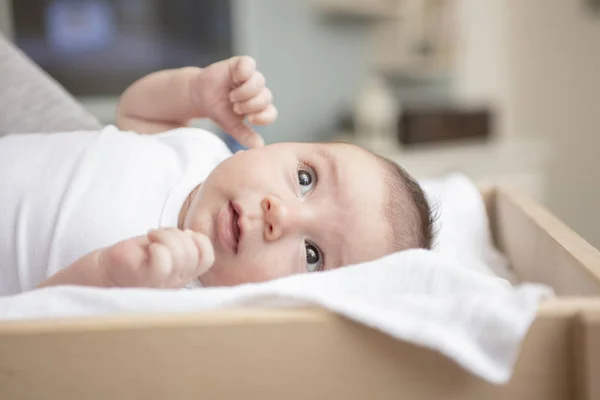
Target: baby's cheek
272, 263
262, 266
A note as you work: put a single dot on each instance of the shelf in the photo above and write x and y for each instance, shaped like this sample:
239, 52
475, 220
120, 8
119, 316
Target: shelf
375, 9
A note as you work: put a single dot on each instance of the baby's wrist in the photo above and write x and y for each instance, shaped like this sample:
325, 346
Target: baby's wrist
196, 80
86, 271
105, 269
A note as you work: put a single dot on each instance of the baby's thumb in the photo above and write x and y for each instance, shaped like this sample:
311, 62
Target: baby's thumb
246, 136
206, 253
234, 125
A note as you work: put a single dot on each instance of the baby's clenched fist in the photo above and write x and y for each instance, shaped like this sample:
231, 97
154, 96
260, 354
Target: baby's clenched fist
231, 91
164, 258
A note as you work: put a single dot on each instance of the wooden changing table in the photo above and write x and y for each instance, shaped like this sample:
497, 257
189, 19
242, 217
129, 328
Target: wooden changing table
313, 354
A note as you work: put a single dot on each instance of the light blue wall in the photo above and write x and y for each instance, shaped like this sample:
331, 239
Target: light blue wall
314, 67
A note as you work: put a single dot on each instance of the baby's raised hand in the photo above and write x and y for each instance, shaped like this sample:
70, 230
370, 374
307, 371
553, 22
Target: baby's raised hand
233, 90
164, 258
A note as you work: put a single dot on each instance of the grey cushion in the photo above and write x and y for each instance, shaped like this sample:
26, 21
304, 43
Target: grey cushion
31, 101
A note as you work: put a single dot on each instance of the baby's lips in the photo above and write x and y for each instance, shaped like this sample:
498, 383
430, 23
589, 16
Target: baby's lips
206, 253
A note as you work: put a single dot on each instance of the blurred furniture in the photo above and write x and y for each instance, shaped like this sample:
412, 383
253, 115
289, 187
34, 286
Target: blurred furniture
414, 39
356, 8
437, 124
418, 42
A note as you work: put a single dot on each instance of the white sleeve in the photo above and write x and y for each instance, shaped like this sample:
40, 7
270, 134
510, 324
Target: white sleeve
193, 140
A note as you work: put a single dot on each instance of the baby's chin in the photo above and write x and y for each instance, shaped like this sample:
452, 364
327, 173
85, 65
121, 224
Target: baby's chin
198, 222
215, 277
199, 219
226, 275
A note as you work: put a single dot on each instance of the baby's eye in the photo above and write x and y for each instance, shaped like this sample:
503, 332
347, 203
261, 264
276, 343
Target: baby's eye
314, 258
306, 179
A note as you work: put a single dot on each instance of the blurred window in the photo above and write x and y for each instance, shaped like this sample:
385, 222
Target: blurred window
99, 47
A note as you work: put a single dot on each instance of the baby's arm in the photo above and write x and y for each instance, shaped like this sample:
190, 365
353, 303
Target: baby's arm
86, 271
165, 258
226, 92
160, 101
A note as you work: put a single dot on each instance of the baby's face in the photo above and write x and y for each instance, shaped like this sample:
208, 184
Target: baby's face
290, 208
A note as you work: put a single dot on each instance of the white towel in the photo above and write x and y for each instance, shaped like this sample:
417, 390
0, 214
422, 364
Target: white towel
462, 226
417, 296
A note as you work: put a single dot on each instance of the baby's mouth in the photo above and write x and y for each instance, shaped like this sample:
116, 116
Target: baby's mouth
228, 228
235, 226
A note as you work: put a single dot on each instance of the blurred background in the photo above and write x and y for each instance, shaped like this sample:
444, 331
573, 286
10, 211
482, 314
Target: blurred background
506, 91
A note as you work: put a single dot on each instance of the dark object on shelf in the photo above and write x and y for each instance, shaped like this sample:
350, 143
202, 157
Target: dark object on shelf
345, 121
443, 124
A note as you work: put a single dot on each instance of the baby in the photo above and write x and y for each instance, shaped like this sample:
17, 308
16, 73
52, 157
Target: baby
174, 208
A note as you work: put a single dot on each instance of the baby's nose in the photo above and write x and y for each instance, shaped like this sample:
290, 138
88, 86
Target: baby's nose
281, 218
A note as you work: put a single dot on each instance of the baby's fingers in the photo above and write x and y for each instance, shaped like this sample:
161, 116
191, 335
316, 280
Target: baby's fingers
265, 117
190, 256
172, 239
254, 105
205, 251
233, 124
248, 89
241, 68
160, 263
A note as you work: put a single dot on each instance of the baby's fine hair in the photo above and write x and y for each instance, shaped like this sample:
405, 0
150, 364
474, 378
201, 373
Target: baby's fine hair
407, 210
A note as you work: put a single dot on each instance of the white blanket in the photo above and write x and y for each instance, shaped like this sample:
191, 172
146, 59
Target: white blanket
419, 296
462, 227
446, 300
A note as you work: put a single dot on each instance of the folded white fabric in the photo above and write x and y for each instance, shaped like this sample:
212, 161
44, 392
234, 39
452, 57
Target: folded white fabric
417, 296
462, 226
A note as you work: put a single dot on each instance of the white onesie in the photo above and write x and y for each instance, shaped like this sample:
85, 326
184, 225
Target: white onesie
63, 195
